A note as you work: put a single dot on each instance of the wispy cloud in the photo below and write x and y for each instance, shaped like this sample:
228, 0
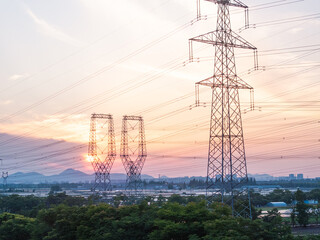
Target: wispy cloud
53, 31
295, 30
18, 76
61, 126
6, 102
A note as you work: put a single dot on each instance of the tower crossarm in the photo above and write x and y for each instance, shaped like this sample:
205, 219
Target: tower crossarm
133, 118
102, 116
234, 3
234, 82
214, 38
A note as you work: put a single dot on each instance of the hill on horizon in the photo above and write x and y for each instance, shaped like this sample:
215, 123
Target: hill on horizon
69, 175
75, 176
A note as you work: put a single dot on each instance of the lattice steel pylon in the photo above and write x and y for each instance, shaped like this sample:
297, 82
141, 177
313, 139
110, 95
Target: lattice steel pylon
5, 176
133, 167
227, 167
102, 164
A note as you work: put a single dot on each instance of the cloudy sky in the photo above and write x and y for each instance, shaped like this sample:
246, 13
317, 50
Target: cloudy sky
64, 60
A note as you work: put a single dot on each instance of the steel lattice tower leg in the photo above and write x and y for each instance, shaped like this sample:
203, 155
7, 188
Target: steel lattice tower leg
133, 167
102, 167
227, 168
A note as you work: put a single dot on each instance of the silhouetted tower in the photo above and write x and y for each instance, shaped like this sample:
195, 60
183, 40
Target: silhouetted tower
227, 168
100, 153
5, 175
133, 144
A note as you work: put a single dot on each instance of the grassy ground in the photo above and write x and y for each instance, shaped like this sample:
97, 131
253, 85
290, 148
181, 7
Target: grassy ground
270, 208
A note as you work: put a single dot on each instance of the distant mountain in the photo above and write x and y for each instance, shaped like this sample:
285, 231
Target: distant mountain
163, 177
31, 177
69, 175
75, 176
146, 177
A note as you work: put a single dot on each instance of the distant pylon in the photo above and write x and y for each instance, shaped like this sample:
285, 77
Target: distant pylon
102, 162
5, 175
133, 167
227, 167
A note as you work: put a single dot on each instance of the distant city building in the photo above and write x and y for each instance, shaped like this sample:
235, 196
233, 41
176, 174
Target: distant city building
291, 176
300, 176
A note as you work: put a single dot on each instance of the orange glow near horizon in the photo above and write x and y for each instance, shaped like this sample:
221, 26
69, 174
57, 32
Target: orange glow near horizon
89, 158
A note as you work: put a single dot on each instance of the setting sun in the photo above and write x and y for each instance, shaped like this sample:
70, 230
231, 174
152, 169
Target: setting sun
89, 158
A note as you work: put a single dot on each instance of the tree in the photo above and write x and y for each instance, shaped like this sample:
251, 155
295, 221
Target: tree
272, 215
293, 216
177, 198
161, 200
55, 188
301, 208
24, 205
316, 212
314, 194
15, 227
258, 199
280, 195
176, 221
63, 198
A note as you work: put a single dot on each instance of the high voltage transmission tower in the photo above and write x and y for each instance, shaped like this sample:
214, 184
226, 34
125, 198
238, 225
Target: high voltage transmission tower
5, 175
227, 168
101, 153
133, 144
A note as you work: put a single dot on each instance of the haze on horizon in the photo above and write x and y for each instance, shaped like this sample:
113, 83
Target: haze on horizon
63, 60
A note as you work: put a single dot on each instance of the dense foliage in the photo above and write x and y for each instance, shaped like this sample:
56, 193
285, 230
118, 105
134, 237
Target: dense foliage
68, 218
142, 221
64, 217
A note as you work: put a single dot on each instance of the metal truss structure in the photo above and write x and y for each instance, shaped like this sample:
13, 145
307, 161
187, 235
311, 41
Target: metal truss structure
101, 160
5, 175
227, 168
133, 168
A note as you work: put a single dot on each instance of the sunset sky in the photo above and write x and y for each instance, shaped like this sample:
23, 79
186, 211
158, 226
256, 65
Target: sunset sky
62, 60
